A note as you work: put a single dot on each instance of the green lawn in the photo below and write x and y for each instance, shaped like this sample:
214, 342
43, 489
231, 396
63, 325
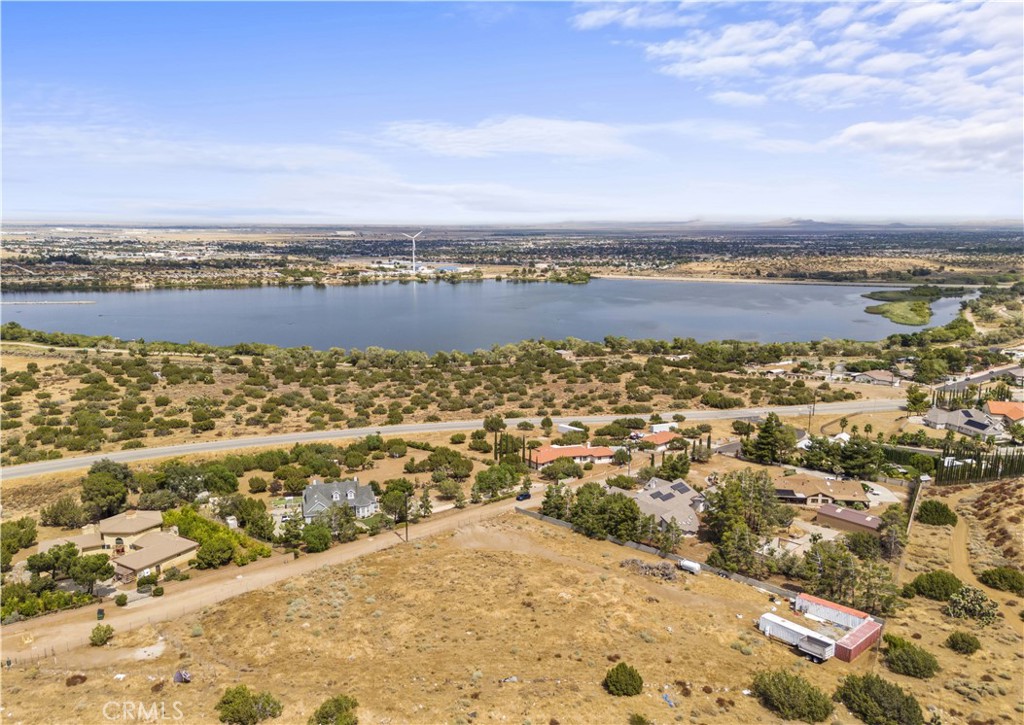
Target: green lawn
918, 312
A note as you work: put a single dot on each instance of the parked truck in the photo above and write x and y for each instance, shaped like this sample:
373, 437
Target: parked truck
816, 646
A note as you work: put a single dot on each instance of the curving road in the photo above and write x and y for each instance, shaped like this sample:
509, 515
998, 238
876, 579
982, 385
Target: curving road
217, 446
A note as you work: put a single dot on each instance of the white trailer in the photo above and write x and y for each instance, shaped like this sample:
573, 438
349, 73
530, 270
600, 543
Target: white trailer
663, 427
690, 566
817, 646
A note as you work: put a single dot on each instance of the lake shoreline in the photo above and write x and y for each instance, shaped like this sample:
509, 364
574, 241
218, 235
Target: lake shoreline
441, 317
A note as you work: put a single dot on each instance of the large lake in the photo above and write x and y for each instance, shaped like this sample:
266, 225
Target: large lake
468, 316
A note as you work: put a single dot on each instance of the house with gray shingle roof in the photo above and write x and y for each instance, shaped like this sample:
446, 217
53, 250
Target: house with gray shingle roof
969, 421
668, 500
320, 496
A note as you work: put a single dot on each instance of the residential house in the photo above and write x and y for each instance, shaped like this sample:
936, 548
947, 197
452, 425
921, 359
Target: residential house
670, 500
660, 440
320, 496
1010, 411
847, 519
968, 421
154, 553
806, 490
877, 377
119, 533
88, 542
544, 455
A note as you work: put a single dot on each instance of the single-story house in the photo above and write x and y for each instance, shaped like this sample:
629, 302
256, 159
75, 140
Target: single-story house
1010, 411
661, 439
668, 500
847, 519
968, 421
808, 490
88, 542
544, 455
877, 377
120, 532
320, 496
153, 553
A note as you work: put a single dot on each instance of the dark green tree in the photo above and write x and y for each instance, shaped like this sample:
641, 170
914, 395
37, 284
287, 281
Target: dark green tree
773, 443
89, 569
103, 495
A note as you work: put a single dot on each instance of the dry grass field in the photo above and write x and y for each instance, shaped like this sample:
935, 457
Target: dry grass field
986, 686
427, 633
431, 632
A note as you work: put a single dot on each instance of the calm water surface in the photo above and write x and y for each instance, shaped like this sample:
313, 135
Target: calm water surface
468, 316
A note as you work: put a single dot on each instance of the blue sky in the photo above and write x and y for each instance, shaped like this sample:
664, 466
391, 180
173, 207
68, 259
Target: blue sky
511, 112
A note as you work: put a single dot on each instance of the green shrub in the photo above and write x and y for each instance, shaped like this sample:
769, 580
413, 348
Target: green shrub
971, 603
144, 581
791, 697
121, 600
339, 710
623, 681
158, 591
878, 702
935, 513
101, 634
258, 484
1004, 578
937, 585
241, 706
906, 658
963, 643
638, 719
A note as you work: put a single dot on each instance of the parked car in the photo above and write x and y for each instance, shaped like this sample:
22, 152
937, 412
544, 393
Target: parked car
523, 496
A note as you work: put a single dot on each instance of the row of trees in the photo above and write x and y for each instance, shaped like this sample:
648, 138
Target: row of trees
41, 593
596, 513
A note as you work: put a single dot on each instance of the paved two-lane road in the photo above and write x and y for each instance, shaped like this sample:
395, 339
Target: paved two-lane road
219, 446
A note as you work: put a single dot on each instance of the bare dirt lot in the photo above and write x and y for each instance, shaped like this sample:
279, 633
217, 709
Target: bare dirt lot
427, 633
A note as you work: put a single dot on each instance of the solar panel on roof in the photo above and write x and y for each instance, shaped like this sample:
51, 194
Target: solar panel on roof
680, 487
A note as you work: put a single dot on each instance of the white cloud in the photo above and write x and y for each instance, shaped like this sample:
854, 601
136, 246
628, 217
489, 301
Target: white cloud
980, 143
739, 99
834, 16
952, 69
892, 63
635, 16
514, 135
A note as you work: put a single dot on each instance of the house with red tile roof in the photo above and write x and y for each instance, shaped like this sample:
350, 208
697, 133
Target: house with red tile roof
660, 439
544, 455
1010, 411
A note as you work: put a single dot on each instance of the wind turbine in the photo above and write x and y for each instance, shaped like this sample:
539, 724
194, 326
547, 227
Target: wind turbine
413, 238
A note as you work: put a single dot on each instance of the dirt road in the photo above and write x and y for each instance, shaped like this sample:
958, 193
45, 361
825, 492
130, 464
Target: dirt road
62, 631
